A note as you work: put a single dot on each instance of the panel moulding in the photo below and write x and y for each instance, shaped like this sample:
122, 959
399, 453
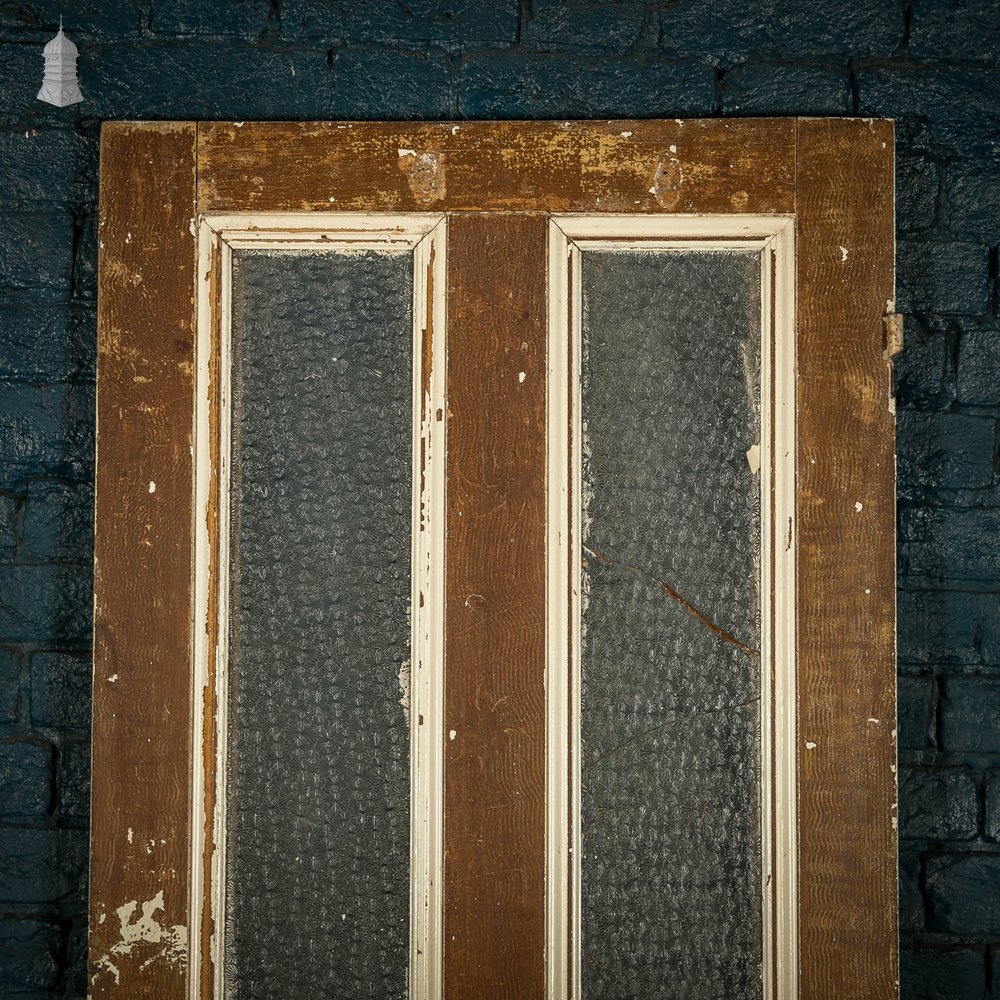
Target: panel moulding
423, 236
773, 237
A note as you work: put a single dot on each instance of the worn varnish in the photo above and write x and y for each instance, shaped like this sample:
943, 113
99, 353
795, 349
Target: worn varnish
707, 166
494, 863
846, 562
142, 564
834, 175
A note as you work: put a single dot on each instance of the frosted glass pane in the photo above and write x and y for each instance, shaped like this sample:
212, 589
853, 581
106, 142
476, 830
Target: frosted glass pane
670, 666
318, 837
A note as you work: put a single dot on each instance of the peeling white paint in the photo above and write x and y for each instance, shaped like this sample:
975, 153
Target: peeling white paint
406, 152
753, 459
873, 720
859, 506
673, 149
452, 734
843, 254
521, 376
238, 124
455, 129
152, 486
130, 835
404, 690
625, 135
111, 679
170, 943
810, 745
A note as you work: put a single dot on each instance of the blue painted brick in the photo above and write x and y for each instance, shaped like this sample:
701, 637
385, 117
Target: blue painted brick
942, 278
973, 194
9, 521
766, 89
963, 892
970, 714
553, 86
10, 685
36, 255
73, 780
733, 31
916, 701
955, 974
82, 21
911, 899
47, 343
37, 165
46, 427
991, 821
45, 603
29, 955
60, 689
42, 865
950, 543
949, 108
924, 372
25, 778
459, 25
57, 521
955, 30
85, 258
916, 192
76, 973
938, 803
400, 84
949, 627
238, 19
950, 450
979, 364
199, 79
554, 25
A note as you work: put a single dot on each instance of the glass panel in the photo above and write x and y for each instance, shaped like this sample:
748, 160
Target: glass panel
318, 837
670, 685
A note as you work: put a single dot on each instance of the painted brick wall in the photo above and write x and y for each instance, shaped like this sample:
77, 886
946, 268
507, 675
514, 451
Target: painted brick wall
933, 65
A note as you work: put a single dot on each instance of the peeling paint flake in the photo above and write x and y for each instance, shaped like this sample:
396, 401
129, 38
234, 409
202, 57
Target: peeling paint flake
168, 944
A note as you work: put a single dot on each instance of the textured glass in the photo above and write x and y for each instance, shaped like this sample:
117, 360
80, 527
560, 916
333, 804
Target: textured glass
318, 830
671, 630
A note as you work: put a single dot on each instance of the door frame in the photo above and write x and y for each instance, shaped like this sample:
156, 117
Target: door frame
834, 177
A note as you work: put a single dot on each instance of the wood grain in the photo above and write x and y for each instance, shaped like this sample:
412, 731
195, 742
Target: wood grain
846, 562
142, 563
495, 634
709, 166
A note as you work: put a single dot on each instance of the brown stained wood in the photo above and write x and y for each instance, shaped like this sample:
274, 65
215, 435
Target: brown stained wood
142, 563
494, 873
846, 564
708, 166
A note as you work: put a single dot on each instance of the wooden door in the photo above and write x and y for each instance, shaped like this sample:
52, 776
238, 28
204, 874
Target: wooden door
417, 446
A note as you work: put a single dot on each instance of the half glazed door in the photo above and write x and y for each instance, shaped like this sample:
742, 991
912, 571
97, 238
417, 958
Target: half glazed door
494, 571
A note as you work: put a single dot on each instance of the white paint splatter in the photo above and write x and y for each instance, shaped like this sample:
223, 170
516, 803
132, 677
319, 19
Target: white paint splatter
111, 680
130, 835
625, 135
843, 254
406, 152
521, 376
859, 506
152, 486
873, 720
673, 149
810, 745
455, 129
452, 734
